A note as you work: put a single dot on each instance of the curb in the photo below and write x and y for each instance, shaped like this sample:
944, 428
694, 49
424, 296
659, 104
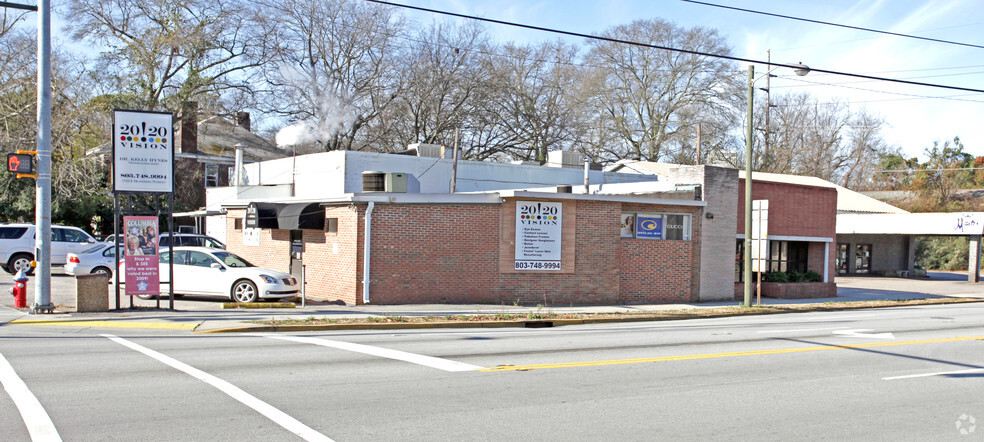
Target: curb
249, 305
543, 323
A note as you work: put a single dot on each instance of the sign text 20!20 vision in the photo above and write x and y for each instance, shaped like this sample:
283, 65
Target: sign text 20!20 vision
538, 235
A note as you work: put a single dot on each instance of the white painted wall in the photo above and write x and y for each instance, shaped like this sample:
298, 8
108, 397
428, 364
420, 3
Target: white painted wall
339, 172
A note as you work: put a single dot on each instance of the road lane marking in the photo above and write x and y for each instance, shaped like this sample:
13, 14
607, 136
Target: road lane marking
36, 419
798, 330
939, 373
725, 355
109, 324
427, 361
279, 417
863, 333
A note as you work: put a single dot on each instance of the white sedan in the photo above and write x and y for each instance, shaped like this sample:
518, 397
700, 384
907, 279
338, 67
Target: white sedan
100, 258
204, 271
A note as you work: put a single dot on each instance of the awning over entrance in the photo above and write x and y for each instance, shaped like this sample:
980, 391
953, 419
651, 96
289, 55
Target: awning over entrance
285, 216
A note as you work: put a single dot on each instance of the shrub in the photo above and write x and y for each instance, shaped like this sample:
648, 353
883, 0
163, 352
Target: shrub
811, 276
776, 277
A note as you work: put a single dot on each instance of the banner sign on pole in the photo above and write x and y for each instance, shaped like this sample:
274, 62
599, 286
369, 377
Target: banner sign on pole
539, 228
140, 255
143, 151
760, 235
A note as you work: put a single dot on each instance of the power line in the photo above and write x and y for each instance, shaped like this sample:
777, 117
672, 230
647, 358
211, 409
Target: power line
836, 24
667, 48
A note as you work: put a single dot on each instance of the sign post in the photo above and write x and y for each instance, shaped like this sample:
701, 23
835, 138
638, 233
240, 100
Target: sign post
143, 163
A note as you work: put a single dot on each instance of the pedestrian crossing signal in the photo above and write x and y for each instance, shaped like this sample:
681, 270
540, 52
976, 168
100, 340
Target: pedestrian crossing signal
20, 163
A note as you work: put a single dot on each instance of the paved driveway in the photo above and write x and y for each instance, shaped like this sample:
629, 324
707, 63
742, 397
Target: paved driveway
953, 284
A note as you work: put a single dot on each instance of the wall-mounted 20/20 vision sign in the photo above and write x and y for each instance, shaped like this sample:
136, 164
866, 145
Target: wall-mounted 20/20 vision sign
539, 229
143, 151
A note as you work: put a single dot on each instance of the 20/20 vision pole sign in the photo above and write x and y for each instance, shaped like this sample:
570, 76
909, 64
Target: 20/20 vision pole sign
143, 151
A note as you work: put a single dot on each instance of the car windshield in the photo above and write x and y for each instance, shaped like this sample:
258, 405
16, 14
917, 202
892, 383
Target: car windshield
232, 260
93, 249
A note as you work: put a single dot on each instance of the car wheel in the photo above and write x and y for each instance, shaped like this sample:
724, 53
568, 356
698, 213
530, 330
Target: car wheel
244, 291
20, 261
102, 271
146, 296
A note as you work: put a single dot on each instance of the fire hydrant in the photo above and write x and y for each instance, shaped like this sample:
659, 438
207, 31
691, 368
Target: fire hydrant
19, 290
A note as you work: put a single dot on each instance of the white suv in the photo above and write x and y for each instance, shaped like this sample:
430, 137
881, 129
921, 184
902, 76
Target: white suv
17, 245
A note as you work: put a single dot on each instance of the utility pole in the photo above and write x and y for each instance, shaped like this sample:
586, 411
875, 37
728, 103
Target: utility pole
42, 211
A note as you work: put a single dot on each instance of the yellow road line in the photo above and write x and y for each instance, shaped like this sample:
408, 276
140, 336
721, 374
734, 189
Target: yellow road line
724, 355
109, 324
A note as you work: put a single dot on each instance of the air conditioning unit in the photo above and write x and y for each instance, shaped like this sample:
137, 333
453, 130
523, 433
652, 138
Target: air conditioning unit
392, 182
561, 158
428, 150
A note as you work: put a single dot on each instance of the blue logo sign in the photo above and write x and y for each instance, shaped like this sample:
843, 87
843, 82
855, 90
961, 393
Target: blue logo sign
649, 227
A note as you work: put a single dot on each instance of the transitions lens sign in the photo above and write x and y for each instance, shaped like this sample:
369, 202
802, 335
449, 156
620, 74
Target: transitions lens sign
143, 151
539, 229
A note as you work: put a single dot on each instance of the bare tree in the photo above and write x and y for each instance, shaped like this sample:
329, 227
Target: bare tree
334, 70
161, 53
640, 94
534, 100
865, 148
441, 73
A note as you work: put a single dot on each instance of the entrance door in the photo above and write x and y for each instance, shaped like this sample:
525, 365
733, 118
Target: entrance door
843, 258
862, 258
296, 253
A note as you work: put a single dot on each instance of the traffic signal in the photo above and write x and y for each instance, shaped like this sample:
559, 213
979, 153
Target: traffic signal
21, 164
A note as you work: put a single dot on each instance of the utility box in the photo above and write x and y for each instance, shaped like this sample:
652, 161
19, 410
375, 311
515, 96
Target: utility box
92, 293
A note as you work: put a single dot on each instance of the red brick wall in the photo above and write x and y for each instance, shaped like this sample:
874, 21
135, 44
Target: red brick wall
434, 254
657, 271
449, 253
589, 273
794, 210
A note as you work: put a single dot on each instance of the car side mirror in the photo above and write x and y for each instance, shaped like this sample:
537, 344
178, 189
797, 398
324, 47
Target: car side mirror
216, 265
91, 240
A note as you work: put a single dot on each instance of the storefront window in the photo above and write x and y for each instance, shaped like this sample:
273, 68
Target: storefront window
669, 226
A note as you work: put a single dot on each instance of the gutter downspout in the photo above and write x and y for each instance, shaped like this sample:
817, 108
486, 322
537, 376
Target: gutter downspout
366, 253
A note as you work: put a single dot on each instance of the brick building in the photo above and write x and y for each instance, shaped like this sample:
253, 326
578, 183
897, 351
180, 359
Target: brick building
625, 238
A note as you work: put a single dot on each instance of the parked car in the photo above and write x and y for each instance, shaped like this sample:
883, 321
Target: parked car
100, 258
17, 245
207, 271
182, 239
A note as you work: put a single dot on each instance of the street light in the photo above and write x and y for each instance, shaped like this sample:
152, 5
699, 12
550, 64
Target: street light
800, 70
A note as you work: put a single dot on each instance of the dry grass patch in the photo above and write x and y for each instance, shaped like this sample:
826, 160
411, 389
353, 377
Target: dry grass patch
658, 315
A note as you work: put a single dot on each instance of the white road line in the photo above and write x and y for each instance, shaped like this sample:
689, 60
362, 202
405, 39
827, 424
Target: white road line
38, 423
798, 330
939, 373
427, 361
279, 417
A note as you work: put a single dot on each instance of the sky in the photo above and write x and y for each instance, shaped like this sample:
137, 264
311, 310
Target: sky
916, 116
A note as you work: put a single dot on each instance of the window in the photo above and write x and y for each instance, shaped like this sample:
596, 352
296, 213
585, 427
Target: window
12, 232
211, 175
70, 235
331, 225
668, 226
740, 261
237, 223
842, 249
862, 258
199, 259
787, 256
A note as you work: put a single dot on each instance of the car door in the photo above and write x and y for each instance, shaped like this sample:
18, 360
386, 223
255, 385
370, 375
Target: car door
58, 246
202, 274
76, 241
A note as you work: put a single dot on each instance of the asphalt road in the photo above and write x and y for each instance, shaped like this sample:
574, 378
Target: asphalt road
913, 373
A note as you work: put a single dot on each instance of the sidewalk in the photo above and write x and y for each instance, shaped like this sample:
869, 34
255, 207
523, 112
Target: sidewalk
201, 314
